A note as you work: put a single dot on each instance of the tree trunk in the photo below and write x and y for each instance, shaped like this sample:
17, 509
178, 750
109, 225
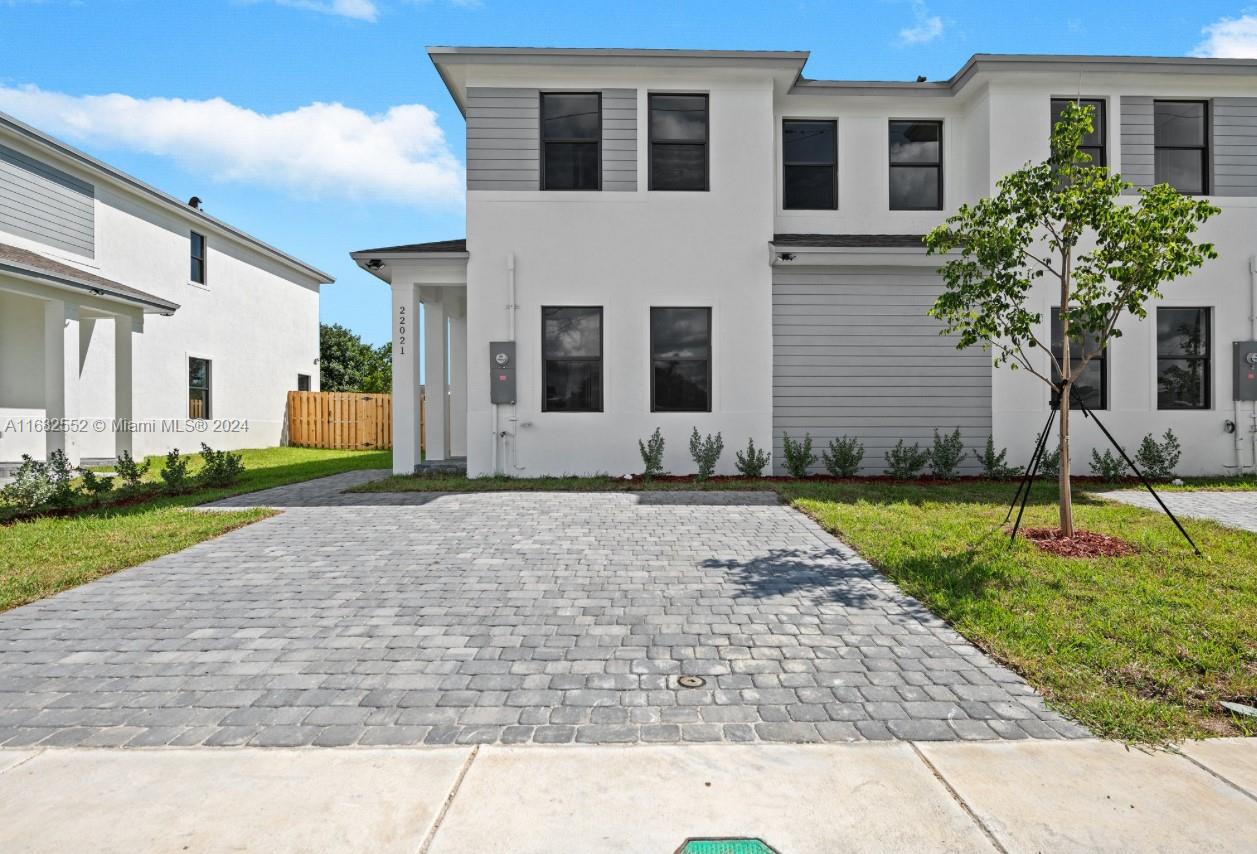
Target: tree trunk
1067, 388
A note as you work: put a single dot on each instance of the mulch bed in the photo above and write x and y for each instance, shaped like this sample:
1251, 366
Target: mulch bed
1081, 544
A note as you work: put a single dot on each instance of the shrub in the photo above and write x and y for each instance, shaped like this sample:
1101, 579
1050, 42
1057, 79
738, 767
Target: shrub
843, 457
799, 456
131, 472
946, 454
706, 453
1108, 466
175, 473
1158, 459
1050, 463
904, 463
652, 455
993, 465
31, 487
222, 468
752, 461
60, 474
96, 487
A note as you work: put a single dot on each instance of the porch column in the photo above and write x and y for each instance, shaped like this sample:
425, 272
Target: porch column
458, 376
405, 377
435, 348
123, 329
61, 375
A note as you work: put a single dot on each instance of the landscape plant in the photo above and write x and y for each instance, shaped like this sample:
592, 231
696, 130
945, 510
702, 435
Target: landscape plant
1064, 219
130, 472
843, 457
752, 461
652, 455
95, 487
31, 488
993, 464
1107, 466
1157, 460
946, 454
222, 468
905, 463
174, 473
706, 453
798, 455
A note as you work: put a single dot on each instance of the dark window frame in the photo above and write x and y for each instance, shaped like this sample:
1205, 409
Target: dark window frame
1101, 358
652, 358
306, 378
937, 165
1205, 148
786, 164
207, 389
1207, 359
543, 141
705, 143
600, 359
1101, 113
198, 262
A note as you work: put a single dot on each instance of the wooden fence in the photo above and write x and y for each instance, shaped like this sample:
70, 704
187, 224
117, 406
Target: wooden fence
333, 419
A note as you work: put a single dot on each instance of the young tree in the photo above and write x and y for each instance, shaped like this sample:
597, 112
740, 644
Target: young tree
1062, 219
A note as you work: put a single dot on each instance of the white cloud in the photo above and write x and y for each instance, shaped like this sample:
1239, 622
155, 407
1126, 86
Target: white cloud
316, 151
1234, 38
926, 29
362, 10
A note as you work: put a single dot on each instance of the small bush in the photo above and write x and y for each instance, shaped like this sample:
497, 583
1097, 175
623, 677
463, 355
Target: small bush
131, 472
1050, 463
1109, 466
1157, 460
652, 455
222, 468
96, 487
993, 465
174, 473
843, 457
799, 456
752, 461
60, 474
706, 453
904, 463
946, 454
31, 488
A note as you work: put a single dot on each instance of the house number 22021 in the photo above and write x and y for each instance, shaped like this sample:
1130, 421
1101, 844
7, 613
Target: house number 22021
401, 330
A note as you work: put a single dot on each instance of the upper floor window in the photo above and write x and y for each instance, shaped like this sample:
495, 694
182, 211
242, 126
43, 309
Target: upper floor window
197, 272
680, 360
1183, 363
1181, 137
1091, 386
571, 367
809, 174
916, 166
571, 137
1092, 143
678, 142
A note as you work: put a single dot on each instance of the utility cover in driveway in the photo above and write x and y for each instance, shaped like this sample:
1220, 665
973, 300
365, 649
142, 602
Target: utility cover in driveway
726, 846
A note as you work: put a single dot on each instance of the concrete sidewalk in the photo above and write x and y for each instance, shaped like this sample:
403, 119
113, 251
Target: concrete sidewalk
1055, 796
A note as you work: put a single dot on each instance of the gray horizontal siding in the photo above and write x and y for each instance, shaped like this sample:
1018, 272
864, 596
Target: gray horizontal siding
503, 133
1234, 147
856, 354
46, 204
619, 140
1138, 152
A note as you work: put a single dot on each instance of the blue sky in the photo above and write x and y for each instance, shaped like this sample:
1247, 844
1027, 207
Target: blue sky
321, 127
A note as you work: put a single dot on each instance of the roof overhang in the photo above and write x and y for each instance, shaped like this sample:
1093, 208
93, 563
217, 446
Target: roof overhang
32, 267
440, 267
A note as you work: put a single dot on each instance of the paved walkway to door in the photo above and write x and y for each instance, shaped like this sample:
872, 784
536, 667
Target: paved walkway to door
1233, 509
512, 618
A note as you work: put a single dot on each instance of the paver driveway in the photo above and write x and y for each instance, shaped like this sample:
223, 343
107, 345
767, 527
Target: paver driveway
548, 618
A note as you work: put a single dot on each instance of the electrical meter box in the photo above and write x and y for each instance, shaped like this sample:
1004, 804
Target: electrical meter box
501, 371
1245, 366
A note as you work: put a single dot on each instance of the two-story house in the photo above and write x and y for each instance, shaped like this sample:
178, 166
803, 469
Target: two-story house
661, 238
132, 321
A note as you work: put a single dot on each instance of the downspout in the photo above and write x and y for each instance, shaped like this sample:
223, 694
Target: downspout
513, 307
1252, 336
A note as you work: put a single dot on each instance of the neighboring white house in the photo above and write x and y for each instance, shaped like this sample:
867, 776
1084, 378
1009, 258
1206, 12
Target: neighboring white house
673, 239
132, 321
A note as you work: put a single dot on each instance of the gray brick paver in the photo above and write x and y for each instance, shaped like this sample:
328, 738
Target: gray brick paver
361, 619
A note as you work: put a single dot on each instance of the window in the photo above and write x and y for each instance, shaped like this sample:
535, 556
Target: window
571, 359
571, 140
1183, 362
680, 360
809, 165
1182, 145
916, 166
303, 382
678, 142
1092, 143
198, 258
198, 388
1091, 387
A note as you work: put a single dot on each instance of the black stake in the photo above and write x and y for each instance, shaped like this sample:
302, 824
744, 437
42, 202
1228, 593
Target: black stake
1038, 449
1089, 414
1031, 475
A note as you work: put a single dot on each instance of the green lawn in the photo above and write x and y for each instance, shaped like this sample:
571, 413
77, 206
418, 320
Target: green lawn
47, 555
1140, 648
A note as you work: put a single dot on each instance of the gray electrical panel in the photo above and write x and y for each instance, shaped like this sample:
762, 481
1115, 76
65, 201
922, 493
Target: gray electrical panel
1245, 366
501, 371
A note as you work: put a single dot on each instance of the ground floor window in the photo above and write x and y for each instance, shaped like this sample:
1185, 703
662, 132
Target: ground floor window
1183, 358
303, 382
680, 360
1091, 386
198, 388
571, 358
